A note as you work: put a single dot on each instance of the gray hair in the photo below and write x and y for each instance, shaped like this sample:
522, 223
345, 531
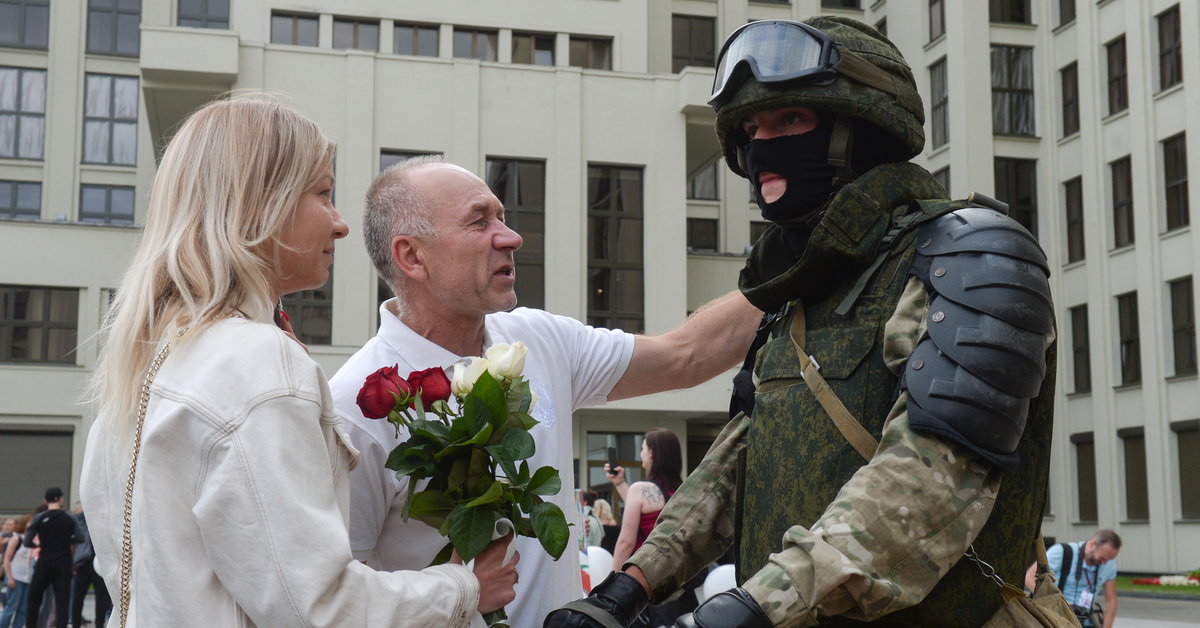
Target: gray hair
395, 207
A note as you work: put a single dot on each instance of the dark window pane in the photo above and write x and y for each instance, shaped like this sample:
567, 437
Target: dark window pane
693, 41
1081, 349
1085, 473
615, 275
1188, 454
1070, 99
1012, 90
1122, 195
1009, 11
1066, 11
1129, 339
1118, 86
702, 234
937, 19
1183, 326
939, 106
1175, 181
520, 184
1137, 500
1170, 49
38, 324
1016, 184
1073, 191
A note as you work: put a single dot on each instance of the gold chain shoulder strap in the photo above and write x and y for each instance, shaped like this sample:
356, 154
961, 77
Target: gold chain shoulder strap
127, 533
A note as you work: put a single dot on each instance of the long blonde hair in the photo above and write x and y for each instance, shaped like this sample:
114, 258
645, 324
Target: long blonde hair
227, 183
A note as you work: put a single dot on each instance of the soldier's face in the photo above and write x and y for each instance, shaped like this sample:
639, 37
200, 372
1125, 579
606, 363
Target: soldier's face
765, 125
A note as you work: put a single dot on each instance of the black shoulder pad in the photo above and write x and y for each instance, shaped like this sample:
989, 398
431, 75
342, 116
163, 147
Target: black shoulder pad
989, 322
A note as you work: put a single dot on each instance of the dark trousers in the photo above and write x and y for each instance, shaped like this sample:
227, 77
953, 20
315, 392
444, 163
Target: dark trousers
44, 577
85, 576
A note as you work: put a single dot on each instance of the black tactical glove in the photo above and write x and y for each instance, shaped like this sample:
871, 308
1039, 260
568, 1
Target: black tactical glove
729, 609
614, 603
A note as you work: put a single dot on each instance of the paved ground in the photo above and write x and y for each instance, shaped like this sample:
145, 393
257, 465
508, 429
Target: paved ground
1141, 612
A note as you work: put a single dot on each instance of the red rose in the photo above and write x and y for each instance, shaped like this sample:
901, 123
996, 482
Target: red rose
378, 394
431, 383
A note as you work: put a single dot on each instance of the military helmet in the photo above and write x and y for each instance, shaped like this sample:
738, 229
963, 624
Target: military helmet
825, 63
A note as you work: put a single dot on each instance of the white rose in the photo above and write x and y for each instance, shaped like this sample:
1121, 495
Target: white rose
465, 375
506, 360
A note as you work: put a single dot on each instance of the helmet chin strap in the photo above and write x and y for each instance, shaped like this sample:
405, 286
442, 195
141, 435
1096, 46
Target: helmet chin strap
841, 148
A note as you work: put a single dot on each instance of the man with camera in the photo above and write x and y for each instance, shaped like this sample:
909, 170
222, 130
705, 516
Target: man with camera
1082, 569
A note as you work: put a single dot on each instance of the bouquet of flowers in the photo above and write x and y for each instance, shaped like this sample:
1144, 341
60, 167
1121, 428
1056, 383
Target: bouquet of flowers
473, 452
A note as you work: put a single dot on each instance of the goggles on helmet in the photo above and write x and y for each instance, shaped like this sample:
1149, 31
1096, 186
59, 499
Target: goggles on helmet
774, 51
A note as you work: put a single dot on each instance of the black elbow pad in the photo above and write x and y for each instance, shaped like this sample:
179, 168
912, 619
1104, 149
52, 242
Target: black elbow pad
989, 322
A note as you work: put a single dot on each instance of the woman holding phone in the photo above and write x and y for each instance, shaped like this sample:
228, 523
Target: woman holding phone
215, 478
662, 462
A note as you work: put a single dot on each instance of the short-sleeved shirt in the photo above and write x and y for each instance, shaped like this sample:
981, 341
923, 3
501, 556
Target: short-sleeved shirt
1083, 577
569, 365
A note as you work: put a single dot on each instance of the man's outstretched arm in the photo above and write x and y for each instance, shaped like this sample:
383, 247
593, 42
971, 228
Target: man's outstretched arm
714, 338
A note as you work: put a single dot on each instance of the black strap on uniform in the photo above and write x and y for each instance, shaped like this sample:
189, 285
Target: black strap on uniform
742, 399
1065, 566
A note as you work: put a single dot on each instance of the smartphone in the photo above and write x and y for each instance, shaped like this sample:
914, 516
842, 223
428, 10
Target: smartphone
612, 460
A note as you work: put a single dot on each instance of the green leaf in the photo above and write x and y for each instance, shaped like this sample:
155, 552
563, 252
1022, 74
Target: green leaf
523, 476
470, 529
510, 471
443, 555
545, 481
513, 445
524, 420
550, 527
491, 395
466, 425
458, 473
478, 473
430, 507
483, 436
433, 430
518, 397
490, 496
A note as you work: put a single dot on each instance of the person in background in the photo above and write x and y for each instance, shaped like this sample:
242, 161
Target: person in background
18, 569
85, 578
55, 532
593, 531
1082, 569
612, 528
241, 498
662, 464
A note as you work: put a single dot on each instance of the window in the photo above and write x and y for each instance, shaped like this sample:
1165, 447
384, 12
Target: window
1016, 184
20, 200
37, 454
702, 185
628, 446
1118, 77
25, 23
594, 53
881, 26
22, 113
475, 44
1012, 90
937, 19
311, 313
1187, 439
1070, 99
38, 324
757, 228
939, 108
114, 27
1175, 181
415, 39
1066, 11
615, 276
1137, 498
110, 120
1073, 195
1183, 326
841, 4
1085, 476
389, 158
106, 204
1170, 49
533, 48
1081, 351
520, 184
204, 13
1122, 193
355, 34
702, 234
943, 178
693, 41
296, 30
1009, 11
1129, 340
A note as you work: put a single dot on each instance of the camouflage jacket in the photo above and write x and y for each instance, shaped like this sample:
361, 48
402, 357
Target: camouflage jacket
859, 542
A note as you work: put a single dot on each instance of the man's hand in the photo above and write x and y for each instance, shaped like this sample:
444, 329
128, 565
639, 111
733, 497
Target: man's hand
729, 609
615, 602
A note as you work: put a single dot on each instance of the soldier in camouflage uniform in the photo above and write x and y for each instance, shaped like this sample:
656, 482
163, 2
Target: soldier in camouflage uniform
929, 319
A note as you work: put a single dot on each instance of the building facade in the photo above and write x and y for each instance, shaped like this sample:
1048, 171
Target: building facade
588, 119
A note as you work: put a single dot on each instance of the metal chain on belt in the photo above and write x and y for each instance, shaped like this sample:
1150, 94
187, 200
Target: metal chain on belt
988, 571
127, 533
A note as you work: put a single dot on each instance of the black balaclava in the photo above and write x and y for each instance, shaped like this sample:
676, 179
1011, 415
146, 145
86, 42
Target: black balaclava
803, 161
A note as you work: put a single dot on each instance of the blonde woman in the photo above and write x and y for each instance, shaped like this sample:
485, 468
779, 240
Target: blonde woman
239, 500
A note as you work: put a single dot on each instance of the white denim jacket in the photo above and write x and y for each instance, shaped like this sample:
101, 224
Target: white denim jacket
241, 498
